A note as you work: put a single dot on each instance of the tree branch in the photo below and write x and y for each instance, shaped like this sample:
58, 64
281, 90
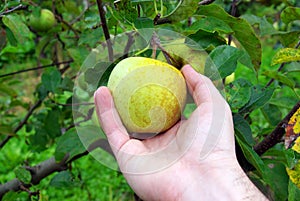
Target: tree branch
19, 7
105, 30
35, 68
22, 123
206, 2
276, 135
47, 167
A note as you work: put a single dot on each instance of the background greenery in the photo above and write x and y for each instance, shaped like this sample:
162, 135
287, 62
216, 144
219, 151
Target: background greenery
46, 85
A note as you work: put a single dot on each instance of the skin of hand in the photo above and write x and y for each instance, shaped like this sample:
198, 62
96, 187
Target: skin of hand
191, 173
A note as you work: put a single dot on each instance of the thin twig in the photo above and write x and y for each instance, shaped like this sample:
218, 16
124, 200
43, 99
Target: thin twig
276, 135
22, 123
35, 68
69, 25
105, 30
19, 7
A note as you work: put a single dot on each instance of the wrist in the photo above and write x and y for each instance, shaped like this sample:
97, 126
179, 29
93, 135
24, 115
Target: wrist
227, 183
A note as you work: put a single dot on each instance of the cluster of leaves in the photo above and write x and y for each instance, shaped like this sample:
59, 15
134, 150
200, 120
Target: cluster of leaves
256, 40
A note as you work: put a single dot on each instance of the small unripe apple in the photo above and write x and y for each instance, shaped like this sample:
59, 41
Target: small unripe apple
45, 21
149, 94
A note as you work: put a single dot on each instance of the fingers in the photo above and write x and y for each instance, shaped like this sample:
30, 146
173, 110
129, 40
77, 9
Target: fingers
109, 119
201, 87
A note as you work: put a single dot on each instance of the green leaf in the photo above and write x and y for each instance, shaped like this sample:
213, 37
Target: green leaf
51, 123
280, 77
209, 24
79, 54
289, 39
275, 171
252, 156
11, 195
184, 10
272, 113
69, 143
243, 31
51, 79
204, 40
64, 179
238, 94
11, 38
294, 191
143, 22
294, 174
18, 28
225, 59
290, 14
243, 130
286, 55
266, 28
23, 175
259, 97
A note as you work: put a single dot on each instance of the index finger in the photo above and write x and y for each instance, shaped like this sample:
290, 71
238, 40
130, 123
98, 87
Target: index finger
201, 87
109, 119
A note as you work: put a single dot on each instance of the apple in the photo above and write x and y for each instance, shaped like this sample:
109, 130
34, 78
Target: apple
44, 22
149, 94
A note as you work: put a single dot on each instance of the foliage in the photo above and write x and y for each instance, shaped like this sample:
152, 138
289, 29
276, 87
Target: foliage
48, 78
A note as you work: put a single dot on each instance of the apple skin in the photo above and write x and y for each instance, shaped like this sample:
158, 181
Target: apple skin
149, 95
44, 22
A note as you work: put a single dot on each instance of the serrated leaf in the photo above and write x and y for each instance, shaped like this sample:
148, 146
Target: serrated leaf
238, 94
290, 14
280, 77
23, 175
18, 28
184, 10
294, 174
209, 24
286, 55
69, 143
243, 31
225, 59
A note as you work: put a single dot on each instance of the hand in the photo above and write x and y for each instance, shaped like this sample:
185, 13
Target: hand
193, 160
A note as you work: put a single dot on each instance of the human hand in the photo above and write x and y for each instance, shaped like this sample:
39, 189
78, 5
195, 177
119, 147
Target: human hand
192, 160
